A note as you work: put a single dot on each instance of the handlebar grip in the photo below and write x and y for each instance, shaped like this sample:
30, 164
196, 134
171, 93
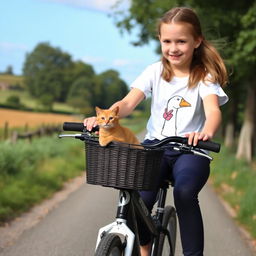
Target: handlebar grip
209, 145
77, 127
71, 126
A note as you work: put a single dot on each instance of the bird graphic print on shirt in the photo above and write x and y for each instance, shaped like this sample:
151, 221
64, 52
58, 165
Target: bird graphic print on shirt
170, 114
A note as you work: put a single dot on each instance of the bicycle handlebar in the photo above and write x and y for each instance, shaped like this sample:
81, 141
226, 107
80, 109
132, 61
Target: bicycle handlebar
206, 145
77, 127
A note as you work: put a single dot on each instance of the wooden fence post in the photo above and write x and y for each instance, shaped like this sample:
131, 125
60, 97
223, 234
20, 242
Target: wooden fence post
6, 126
14, 137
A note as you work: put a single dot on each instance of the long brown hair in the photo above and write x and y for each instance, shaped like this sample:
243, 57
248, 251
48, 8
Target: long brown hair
207, 63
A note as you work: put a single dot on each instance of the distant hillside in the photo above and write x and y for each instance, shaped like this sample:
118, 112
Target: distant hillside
10, 80
11, 85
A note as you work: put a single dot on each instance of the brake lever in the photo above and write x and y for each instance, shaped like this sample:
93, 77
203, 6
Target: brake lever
187, 149
76, 136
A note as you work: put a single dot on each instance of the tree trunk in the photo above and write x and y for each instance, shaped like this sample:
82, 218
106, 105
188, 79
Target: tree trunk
245, 145
229, 134
231, 123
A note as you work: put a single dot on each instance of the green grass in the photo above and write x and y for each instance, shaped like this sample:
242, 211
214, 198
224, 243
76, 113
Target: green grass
31, 172
235, 180
23, 95
136, 124
32, 103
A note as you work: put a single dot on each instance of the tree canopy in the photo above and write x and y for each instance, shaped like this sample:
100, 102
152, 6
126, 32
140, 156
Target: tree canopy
46, 73
51, 75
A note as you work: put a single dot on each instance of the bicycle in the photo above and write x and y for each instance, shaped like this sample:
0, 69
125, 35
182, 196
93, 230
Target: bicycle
130, 168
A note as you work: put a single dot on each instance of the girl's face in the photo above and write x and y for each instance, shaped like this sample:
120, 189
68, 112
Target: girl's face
178, 45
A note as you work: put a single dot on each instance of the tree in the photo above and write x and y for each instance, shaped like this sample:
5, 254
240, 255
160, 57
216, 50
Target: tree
46, 71
9, 70
81, 95
245, 50
81, 69
109, 88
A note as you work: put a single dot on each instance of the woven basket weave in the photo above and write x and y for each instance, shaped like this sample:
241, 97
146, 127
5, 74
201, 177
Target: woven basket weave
122, 165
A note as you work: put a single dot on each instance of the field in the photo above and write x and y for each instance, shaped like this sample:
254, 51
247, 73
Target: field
11, 79
16, 118
31, 102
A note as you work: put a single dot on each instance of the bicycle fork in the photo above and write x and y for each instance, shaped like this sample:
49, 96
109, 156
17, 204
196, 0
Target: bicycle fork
119, 226
125, 224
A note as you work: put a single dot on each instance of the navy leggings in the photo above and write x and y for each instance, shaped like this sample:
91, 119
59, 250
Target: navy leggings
189, 174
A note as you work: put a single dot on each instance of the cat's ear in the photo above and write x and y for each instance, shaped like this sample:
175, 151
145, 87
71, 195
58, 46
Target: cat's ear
97, 109
116, 110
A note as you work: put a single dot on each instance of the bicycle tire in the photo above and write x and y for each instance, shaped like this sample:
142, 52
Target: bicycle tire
110, 245
170, 224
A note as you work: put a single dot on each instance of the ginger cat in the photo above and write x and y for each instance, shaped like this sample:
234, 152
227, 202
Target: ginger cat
111, 130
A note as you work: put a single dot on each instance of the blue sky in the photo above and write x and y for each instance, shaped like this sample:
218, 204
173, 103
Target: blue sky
81, 28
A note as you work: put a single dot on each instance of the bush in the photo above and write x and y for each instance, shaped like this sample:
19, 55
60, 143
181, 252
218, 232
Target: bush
30, 172
14, 101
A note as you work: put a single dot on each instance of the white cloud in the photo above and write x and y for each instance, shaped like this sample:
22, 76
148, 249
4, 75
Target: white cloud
93, 59
7, 46
126, 62
121, 62
96, 5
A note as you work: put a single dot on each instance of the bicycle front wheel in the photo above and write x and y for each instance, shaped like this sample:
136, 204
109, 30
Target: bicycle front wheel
110, 245
169, 224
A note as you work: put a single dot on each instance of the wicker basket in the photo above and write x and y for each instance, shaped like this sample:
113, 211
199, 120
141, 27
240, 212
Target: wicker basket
122, 165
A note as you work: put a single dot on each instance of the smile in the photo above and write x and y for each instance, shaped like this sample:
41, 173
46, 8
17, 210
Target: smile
176, 56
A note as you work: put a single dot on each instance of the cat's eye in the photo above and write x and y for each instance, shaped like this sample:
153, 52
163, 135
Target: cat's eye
110, 118
103, 118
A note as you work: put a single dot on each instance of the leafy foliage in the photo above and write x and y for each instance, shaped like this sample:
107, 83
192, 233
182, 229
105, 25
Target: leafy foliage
46, 71
109, 88
51, 75
14, 101
81, 94
245, 48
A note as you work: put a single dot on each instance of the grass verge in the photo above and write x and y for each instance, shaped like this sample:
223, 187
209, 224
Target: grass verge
235, 181
31, 172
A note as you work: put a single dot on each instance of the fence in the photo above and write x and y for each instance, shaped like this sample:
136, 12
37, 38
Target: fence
44, 130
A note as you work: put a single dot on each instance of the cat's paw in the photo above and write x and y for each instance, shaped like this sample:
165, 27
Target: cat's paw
103, 144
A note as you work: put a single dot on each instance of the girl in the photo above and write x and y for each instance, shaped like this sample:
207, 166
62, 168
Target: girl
186, 92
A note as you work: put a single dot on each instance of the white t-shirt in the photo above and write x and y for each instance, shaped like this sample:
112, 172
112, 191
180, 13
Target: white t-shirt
175, 109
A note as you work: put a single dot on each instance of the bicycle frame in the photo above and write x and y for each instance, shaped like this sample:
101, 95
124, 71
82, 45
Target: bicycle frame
130, 204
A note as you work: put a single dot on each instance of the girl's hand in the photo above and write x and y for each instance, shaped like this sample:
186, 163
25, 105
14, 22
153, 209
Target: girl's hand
90, 122
194, 137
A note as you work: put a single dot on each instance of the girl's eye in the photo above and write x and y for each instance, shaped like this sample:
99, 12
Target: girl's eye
182, 41
166, 41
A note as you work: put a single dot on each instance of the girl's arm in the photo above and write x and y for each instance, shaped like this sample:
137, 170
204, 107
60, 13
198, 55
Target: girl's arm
212, 122
126, 106
129, 102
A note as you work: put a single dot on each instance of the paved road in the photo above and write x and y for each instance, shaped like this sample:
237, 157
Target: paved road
71, 228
